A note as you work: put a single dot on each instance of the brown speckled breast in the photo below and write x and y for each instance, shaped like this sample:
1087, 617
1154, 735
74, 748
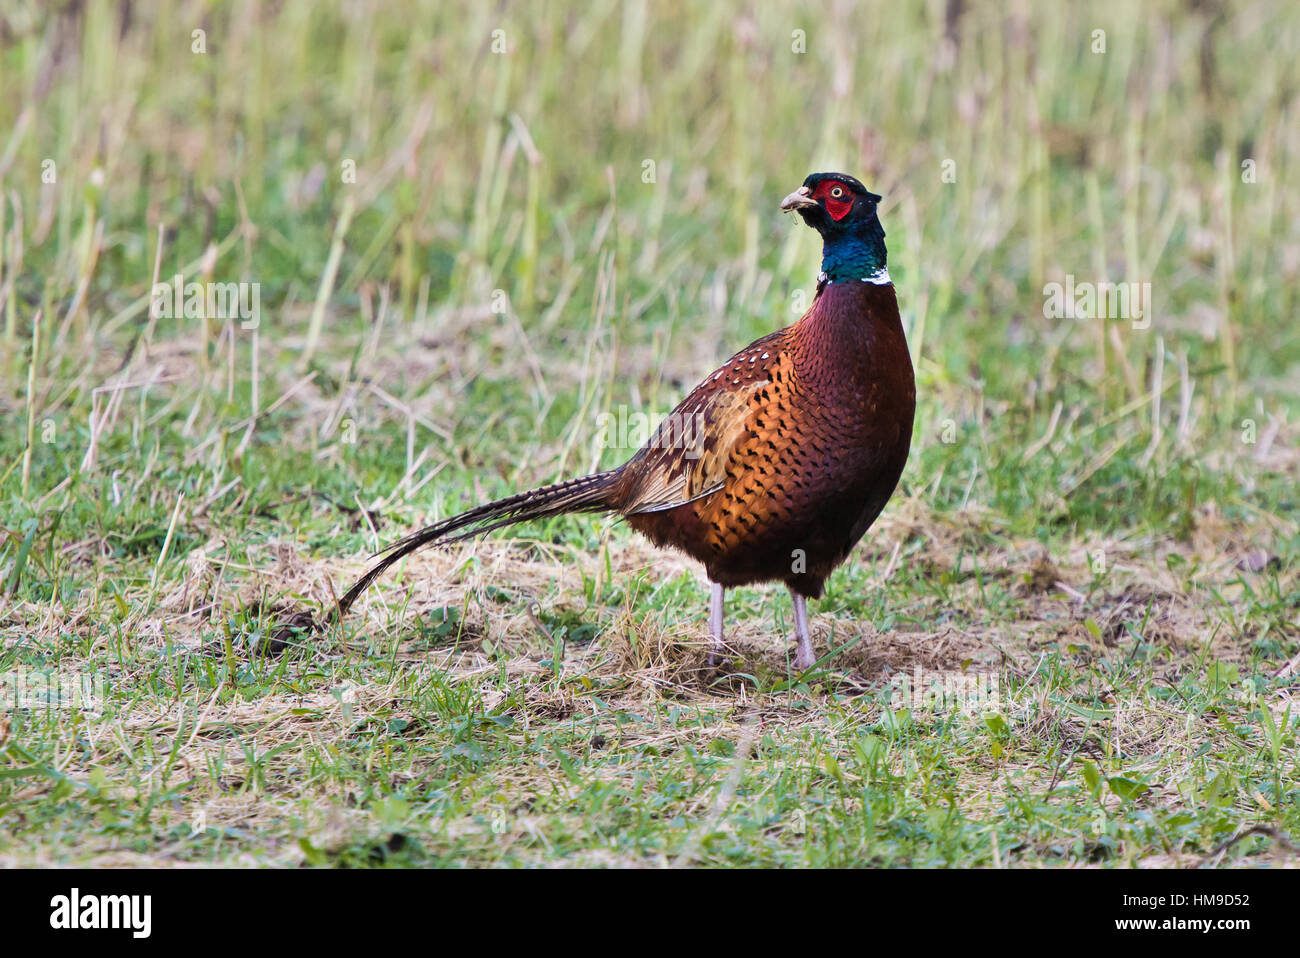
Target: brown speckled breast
802, 437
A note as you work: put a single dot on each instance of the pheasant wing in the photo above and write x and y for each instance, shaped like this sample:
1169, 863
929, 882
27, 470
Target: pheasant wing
687, 457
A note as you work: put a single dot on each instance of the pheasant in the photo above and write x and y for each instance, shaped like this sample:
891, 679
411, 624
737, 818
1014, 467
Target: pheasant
774, 466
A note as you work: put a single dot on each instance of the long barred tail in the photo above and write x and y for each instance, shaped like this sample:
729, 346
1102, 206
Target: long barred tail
588, 494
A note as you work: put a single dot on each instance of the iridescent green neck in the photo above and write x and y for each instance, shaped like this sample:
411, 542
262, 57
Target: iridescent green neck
858, 254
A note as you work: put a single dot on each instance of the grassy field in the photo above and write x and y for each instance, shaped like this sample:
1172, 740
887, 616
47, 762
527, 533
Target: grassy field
477, 229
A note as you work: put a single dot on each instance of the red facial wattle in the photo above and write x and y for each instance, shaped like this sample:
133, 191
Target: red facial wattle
837, 206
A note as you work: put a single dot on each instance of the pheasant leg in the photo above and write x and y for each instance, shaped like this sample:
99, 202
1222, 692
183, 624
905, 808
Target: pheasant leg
715, 623
803, 659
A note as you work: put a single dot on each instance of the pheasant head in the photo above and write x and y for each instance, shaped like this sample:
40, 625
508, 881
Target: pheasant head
843, 211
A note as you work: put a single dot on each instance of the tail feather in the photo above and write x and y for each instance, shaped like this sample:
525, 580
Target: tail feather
588, 494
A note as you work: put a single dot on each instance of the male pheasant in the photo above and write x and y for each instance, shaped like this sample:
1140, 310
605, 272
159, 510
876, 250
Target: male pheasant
775, 465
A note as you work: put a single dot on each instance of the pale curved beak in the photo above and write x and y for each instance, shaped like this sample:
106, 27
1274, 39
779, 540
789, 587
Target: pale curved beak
800, 199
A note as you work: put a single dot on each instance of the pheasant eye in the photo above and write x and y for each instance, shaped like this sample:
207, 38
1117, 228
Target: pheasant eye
837, 192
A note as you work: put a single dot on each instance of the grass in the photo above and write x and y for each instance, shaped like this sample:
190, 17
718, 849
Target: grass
1097, 523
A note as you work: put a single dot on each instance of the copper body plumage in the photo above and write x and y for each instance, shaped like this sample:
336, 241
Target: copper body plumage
775, 465
813, 449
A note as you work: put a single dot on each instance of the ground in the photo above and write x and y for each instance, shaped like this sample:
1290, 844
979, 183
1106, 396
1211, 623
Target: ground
1072, 638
